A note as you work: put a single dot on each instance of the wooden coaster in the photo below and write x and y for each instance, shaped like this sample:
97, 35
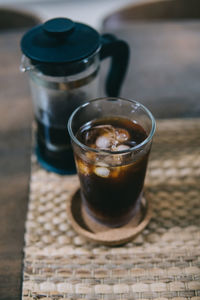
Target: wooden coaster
94, 231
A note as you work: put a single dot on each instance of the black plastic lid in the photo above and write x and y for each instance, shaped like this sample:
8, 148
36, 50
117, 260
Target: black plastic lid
60, 40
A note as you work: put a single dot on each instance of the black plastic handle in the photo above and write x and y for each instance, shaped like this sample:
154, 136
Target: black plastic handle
118, 50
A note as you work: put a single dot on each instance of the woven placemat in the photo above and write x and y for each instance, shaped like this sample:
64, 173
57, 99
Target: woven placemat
163, 262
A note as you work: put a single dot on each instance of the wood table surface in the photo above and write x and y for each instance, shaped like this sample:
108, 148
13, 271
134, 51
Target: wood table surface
15, 122
165, 94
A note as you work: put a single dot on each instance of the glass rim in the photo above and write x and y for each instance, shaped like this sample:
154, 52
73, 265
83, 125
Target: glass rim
105, 151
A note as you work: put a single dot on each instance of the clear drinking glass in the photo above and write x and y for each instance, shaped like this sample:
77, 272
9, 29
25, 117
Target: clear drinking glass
111, 139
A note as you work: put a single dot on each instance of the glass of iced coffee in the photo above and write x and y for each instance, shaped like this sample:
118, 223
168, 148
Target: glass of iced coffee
111, 139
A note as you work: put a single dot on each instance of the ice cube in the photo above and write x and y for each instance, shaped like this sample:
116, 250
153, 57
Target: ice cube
121, 135
100, 136
102, 164
105, 136
103, 142
102, 172
82, 167
122, 147
91, 156
117, 159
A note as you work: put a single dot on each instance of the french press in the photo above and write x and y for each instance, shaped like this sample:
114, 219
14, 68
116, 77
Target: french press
62, 59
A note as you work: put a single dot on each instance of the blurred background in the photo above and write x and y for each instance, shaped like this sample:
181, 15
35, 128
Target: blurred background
87, 11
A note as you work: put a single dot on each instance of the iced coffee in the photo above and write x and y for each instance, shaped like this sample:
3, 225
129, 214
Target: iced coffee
111, 165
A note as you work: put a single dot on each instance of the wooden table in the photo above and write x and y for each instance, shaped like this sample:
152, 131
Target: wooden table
145, 81
15, 137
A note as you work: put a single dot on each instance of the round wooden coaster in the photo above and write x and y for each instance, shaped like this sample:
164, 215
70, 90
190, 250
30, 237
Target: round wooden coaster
94, 231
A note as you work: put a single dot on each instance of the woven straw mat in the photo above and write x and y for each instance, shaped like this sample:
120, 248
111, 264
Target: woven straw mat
163, 262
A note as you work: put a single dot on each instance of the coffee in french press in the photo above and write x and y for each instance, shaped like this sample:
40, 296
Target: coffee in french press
62, 59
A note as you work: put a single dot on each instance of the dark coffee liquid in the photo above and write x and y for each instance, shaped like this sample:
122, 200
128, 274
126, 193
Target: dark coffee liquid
110, 190
54, 147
